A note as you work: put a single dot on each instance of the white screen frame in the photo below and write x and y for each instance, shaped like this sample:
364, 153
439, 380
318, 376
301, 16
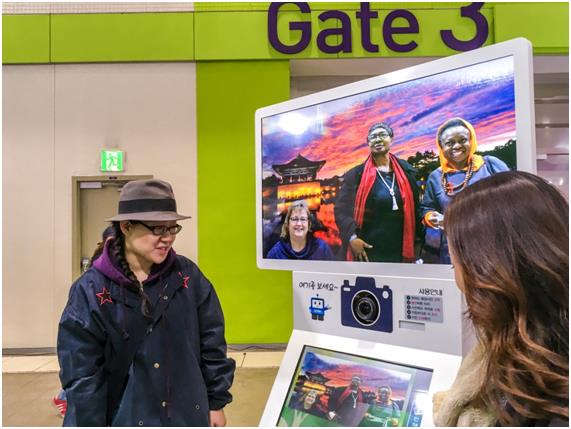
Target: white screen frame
519, 48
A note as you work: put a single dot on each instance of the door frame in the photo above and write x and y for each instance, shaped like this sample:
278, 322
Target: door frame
76, 211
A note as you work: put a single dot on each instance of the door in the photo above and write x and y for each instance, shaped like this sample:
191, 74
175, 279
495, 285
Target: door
96, 205
97, 200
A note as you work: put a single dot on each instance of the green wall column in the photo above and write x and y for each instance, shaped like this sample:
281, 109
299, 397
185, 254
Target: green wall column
257, 303
25, 39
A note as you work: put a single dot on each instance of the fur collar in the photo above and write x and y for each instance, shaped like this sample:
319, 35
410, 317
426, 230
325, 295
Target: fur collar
458, 406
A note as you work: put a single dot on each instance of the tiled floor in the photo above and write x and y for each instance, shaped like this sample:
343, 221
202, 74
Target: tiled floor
16, 364
29, 382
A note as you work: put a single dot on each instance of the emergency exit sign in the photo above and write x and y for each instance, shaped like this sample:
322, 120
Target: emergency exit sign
112, 160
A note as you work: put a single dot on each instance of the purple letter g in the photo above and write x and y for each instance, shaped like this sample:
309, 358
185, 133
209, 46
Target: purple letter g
305, 28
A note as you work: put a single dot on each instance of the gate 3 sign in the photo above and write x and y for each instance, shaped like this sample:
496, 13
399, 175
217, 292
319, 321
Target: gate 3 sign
365, 15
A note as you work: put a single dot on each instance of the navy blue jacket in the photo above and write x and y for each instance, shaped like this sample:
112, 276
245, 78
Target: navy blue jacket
316, 249
180, 370
435, 199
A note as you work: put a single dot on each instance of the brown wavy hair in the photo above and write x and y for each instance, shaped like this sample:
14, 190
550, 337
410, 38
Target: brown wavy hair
509, 236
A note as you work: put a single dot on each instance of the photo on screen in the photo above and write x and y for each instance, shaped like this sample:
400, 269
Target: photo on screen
315, 198
332, 388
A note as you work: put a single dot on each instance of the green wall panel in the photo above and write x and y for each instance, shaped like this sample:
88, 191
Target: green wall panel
230, 6
25, 39
122, 37
238, 31
216, 35
263, 6
546, 25
429, 41
257, 303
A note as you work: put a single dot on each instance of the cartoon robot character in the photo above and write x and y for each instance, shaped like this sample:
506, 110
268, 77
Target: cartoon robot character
318, 308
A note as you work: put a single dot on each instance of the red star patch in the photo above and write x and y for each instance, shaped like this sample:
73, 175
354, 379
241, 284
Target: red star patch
185, 280
104, 296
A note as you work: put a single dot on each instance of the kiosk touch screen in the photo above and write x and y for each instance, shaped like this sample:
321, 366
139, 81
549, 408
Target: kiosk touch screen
332, 388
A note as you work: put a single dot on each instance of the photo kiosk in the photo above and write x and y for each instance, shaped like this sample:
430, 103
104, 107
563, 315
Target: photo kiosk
390, 332
373, 341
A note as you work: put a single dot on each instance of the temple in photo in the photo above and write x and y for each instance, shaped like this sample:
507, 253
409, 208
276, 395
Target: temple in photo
299, 182
298, 170
313, 381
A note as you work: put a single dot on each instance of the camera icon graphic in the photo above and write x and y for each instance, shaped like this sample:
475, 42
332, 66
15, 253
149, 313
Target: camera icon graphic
366, 305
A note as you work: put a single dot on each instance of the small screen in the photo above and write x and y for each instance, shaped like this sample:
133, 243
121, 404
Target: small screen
332, 388
317, 156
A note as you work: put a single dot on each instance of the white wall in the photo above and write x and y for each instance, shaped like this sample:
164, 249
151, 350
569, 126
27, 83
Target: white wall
56, 119
28, 264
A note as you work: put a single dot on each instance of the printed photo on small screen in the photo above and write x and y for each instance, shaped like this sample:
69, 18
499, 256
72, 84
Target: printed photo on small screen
332, 388
368, 177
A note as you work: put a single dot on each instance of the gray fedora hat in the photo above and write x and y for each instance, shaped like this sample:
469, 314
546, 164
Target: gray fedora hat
147, 200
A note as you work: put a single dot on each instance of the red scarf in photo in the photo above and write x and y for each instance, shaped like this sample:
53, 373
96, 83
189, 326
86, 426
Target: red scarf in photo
346, 393
367, 181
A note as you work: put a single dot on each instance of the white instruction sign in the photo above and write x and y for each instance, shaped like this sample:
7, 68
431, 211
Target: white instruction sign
424, 308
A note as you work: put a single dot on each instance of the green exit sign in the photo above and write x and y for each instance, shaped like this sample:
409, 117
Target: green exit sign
112, 160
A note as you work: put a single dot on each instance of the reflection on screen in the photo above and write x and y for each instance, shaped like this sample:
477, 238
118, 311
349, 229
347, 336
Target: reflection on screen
316, 154
331, 388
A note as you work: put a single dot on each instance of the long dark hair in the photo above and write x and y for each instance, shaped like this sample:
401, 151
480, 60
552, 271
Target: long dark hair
509, 236
117, 251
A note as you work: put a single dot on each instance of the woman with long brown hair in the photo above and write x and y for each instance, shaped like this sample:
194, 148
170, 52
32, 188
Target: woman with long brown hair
509, 238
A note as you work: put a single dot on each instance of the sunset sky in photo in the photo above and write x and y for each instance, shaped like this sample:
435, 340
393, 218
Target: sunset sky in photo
339, 369
336, 131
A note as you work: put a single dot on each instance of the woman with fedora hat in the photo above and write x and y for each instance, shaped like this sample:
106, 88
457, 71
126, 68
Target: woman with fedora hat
141, 339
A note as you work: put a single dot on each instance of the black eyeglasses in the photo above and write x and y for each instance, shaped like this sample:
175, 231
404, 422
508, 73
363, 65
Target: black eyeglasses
161, 229
377, 136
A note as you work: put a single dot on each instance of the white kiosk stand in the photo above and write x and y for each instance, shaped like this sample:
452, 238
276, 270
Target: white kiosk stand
401, 332
413, 344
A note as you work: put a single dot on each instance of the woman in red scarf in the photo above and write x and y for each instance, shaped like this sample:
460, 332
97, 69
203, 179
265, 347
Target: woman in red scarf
376, 210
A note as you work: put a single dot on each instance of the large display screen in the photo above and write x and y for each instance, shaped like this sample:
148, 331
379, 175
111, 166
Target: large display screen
366, 176
331, 388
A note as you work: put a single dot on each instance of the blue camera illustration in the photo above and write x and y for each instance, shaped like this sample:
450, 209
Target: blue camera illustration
366, 305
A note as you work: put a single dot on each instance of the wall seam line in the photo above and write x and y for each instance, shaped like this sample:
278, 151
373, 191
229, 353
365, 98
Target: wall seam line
54, 132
